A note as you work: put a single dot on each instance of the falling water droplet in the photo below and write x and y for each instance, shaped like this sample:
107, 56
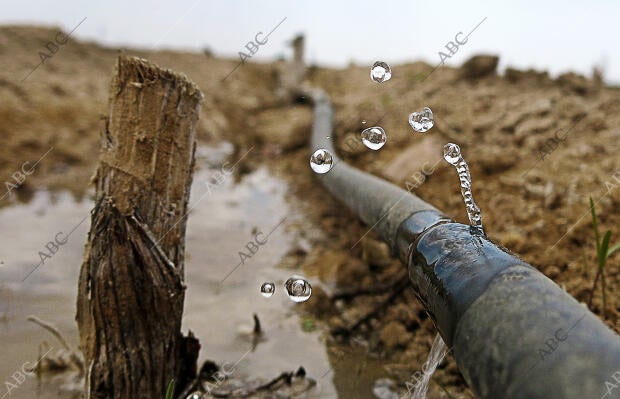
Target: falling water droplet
374, 137
194, 395
267, 289
298, 289
363, 122
321, 161
422, 121
452, 154
380, 72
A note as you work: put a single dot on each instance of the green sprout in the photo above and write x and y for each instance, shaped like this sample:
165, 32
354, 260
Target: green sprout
170, 390
308, 325
603, 252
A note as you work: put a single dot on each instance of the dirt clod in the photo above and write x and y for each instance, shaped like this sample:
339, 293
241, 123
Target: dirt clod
479, 66
394, 335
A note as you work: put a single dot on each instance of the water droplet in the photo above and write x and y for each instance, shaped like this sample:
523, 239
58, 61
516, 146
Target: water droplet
363, 122
380, 72
298, 289
422, 121
374, 137
321, 161
267, 289
194, 395
451, 153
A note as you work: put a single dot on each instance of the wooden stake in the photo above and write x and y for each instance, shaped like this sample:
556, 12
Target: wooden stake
131, 289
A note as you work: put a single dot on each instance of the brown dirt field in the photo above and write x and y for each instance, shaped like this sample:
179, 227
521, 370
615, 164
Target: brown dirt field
500, 122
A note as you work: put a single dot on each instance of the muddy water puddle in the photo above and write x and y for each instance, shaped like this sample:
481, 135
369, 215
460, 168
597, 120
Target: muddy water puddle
223, 286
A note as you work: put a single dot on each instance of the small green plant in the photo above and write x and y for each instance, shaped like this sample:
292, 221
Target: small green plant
170, 390
308, 325
603, 252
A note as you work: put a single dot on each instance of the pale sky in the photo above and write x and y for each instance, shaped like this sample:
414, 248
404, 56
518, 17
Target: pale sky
555, 35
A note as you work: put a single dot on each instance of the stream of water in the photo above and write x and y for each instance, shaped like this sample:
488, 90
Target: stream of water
438, 351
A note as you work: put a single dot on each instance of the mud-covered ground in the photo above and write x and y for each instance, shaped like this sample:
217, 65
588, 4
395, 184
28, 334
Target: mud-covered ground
537, 147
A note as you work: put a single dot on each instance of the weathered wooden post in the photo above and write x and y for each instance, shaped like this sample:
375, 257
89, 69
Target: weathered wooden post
131, 288
292, 73
299, 66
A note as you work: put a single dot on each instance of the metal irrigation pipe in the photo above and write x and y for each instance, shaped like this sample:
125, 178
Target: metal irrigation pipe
514, 333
